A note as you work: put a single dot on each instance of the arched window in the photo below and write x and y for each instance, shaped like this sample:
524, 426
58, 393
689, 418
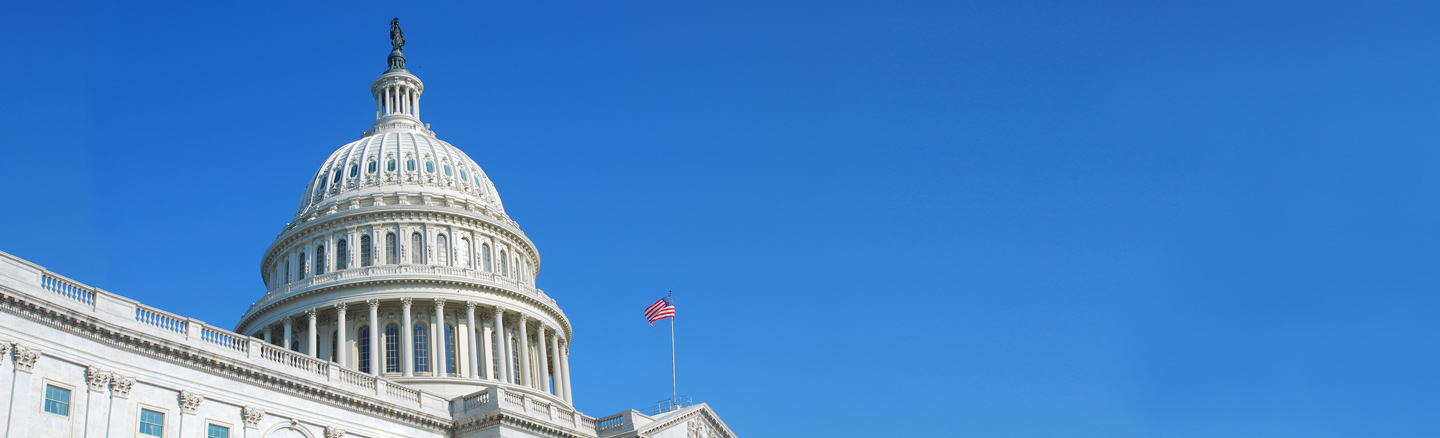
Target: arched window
285, 267
364, 341
295, 345
304, 266
515, 360
485, 254
504, 264
422, 352
392, 348
442, 250
417, 249
320, 260
450, 348
334, 344
365, 250
342, 258
392, 254
465, 253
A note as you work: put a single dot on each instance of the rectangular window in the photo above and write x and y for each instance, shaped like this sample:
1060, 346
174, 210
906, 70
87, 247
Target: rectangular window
151, 423
57, 400
216, 431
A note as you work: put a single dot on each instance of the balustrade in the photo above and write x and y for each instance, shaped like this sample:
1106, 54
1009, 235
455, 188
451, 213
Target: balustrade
401, 392
160, 319
475, 400
67, 289
357, 378
612, 421
224, 339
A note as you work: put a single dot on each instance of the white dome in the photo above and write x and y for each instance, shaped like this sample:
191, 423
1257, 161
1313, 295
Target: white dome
401, 161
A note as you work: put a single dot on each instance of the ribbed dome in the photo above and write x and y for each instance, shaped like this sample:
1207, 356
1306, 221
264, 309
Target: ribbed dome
401, 161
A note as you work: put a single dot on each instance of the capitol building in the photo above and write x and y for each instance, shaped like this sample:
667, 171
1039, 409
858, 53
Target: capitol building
400, 301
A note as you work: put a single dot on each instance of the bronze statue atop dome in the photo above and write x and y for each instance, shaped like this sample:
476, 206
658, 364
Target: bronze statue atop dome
397, 38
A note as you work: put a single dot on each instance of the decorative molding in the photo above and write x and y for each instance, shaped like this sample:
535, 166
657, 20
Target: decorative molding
190, 402
334, 432
25, 357
4, 351
120, 386
252, 415
96, 378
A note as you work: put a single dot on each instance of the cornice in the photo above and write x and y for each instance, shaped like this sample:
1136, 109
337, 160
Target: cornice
499, 417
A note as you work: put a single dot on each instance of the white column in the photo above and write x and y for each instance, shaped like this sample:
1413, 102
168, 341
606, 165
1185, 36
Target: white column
375, 334
407, 357
340, 334
267, 335
544, 359
97, 406
190, 425
20, 403
289, 333
438, 336
120, 406
470, 341
565, 365
503, 373
311, 337
559, 387
524, 353
417, 104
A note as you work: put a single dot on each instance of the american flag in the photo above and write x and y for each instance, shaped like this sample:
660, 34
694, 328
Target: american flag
660, 310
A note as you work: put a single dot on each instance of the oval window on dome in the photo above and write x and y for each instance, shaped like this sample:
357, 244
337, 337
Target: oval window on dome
463, 176
477, 180
410, 165
390, 166
354, 170
337, 175
447, 170
371, 167
430, 166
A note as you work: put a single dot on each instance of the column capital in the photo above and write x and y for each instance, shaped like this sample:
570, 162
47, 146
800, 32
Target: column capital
499, 310
311, 313
25, 357
406, 303
120, 385
340, 308
252, 415
522, 318
470, 305
439, 302
190, 402
374, 303
96, 378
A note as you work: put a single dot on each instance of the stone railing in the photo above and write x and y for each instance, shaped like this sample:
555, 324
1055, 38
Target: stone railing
58, 294
410, 271
520, 400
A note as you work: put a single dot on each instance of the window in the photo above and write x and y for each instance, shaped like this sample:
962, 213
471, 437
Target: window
485, 254
354, 170
515, 360
57, 400
295, 345
421, 349
320, 260
334, 344
463, 176
390, 166
410, 165
417, 249
151, 423
342, 260
337, 175
392, 348
450, 348
217, 431
365, 250
465, 253
304, 266
504, 264
447, 170
392, 255
371, 167
364, 341
285, 276
442, 250
430, 167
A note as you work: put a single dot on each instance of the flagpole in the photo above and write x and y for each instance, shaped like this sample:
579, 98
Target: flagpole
674, 394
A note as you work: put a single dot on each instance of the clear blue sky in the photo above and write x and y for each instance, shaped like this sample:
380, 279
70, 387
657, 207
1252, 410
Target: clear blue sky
989, 219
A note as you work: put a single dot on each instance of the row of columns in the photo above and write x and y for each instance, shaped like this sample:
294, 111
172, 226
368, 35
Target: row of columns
397, 100
552, 351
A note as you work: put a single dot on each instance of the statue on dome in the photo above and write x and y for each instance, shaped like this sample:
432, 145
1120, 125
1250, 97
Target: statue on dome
397, 38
